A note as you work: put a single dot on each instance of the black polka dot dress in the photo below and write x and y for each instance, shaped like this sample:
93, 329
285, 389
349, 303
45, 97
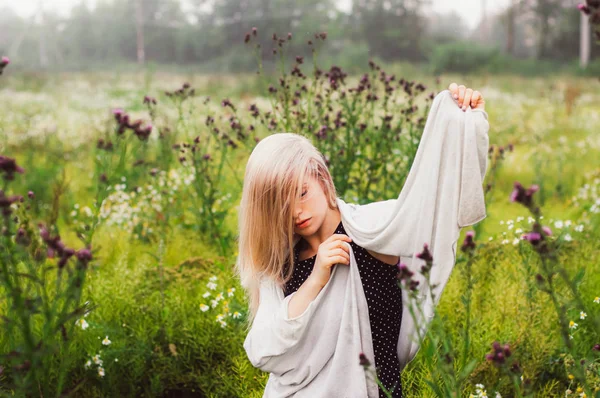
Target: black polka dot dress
384, 301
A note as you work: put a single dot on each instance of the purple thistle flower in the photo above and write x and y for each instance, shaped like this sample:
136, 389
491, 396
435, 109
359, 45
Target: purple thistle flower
30, 194
522, 195
583, 8
596, 347
425, 254
254, 31
363, 360
547, 230
499, 353
533, 237
9, 167
468, 243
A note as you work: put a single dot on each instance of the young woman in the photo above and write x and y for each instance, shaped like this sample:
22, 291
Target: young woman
291, 232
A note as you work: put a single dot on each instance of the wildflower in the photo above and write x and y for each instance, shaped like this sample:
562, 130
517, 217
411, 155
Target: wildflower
9, 167
522, 195
547, 230
230, 291
499, 353
364, 361
106, 341
468, 243
101, 371
583, 8
81, 322
596, 347
572, 325
97, 360
205, 295
4, 61
220, 317
568, 237
204, 307
219, 297
236, 315
582, 315
425, 255
211, 285
212, 278
571, 377
558, 224
214, 303
87, 364
597, 300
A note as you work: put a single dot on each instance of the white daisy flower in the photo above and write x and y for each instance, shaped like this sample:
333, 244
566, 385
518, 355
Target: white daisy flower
101, 371
568, 237
81, 322
572, 325
204, 307
236, 315
582, 315
211, 285
558, 224
106, 341
205, 295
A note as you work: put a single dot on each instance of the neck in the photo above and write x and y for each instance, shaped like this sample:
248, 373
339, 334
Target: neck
332, 220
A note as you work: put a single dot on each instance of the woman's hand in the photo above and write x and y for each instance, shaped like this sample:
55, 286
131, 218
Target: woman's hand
466, 96
332, 251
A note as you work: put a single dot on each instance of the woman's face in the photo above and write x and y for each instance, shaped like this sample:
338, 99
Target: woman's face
312, 206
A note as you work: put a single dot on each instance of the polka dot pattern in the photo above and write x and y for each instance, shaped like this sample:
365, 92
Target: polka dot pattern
384, 300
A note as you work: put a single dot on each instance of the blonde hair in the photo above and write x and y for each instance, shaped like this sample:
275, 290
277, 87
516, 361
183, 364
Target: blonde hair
275, 172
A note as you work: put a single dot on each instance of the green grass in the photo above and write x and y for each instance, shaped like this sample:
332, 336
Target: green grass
164, 344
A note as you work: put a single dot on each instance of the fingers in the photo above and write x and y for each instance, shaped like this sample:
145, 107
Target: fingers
467, 99
461, 94
340, 253
339, 237
453, 90
475, 99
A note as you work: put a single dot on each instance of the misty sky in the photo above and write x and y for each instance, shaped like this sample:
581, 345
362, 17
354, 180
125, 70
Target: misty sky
469, 9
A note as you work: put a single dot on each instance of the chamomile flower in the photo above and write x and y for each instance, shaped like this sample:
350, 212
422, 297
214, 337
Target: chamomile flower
211, 285
97, 360
230, 291
597, 300
582, 315
101, 371
81, 322
205, 295
236, 315
572, 325
204, 307
106, 341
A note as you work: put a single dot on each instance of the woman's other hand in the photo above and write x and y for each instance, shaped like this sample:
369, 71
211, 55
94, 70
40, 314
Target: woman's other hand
467, 97
333, 250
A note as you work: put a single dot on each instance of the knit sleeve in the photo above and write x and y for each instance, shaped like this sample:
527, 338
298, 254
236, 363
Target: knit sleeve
273, 336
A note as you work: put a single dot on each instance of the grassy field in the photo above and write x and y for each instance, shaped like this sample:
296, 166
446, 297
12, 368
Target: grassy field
168, 315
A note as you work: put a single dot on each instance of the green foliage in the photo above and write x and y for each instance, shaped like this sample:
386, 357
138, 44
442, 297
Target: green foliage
149, 292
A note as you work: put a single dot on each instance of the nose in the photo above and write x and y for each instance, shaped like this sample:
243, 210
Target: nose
297, 212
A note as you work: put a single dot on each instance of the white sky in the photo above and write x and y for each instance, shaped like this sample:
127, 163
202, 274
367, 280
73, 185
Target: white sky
469, 9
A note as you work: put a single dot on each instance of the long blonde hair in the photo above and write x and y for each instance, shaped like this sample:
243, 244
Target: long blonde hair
275, 172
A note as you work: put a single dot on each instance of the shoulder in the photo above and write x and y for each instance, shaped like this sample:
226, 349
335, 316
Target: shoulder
386, 258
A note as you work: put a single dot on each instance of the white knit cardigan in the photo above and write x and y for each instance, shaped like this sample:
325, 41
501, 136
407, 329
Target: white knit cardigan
316, 354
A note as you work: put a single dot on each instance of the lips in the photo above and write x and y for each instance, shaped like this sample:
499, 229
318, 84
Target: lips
302, 223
